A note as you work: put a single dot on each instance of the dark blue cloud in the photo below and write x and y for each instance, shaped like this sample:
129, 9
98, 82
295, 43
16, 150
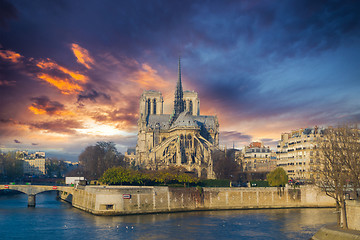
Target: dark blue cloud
249, 59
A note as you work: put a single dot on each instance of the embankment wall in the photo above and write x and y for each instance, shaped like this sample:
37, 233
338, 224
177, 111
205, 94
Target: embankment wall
123, 200
353, 214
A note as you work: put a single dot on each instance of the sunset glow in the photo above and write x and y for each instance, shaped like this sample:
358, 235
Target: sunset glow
263, 68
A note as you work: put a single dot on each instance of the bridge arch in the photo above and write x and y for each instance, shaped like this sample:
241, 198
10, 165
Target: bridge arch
31, 191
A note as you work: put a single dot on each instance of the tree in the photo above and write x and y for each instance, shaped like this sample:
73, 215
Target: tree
349, 143
277, 177
95, 160
340, 167
121, 175
225, 166
11, 166
55, 167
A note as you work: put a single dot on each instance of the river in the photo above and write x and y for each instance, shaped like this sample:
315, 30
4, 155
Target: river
54, 219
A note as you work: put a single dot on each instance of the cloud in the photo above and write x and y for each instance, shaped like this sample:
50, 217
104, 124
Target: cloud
235, 136
8, 121
7, 83
16, 141
7, 11
67, 81
10, 56
82, 55
34, 144
147, 77
66, 86
269, 142
64, 126
92, 95
43, 105
124, 117
48, 64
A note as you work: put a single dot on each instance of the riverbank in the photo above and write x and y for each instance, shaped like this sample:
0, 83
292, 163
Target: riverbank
334, 233
125, 200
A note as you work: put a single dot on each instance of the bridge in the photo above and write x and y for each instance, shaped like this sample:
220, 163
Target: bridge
32, 190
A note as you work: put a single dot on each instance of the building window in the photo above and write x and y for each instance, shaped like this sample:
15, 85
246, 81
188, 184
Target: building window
148, 106
191, 107
154, 111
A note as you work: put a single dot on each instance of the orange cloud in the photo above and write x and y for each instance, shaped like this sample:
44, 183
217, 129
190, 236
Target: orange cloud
147, 77
37, 110
66, 86
52, 65
10, 55
82, 55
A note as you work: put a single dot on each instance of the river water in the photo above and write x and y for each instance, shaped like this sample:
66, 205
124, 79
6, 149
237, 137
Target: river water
54, 219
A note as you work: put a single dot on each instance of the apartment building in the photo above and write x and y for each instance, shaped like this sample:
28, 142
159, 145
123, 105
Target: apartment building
258, 158
34, 163
298, 154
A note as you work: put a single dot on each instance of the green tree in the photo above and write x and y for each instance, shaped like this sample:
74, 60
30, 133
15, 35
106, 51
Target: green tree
117, 176
277, 178
121, 175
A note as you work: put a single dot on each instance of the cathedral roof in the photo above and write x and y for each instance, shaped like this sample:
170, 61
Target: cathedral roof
207, 121
162, 120
185, 119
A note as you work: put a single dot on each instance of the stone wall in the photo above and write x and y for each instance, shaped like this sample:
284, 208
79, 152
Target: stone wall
118, 200
353, 214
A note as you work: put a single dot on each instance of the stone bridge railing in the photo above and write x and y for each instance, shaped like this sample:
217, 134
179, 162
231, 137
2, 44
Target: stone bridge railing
32, 190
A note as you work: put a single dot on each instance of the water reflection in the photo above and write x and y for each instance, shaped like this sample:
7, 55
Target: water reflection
55, 219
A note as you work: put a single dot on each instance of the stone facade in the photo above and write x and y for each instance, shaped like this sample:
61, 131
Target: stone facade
184, 138
298, 153
258, 158
34, 163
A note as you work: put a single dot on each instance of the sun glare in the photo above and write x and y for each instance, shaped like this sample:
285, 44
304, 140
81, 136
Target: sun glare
93, 128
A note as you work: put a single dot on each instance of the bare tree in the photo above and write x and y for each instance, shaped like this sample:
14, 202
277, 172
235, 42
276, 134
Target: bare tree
340, 167
225, 166
95, 160
349, 141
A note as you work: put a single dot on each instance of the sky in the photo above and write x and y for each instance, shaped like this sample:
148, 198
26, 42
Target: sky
72, 72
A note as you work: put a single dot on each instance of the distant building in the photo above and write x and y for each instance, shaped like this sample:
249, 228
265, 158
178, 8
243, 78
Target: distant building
298, 154
34, 163
258, 158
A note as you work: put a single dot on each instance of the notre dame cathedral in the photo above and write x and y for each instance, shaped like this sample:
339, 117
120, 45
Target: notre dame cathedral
184, 138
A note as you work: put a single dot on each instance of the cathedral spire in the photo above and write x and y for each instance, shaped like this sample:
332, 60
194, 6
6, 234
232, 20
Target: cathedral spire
178, 101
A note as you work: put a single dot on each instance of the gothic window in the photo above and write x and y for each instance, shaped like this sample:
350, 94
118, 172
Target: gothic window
188, 141
148, 106
191, 107
154, 112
